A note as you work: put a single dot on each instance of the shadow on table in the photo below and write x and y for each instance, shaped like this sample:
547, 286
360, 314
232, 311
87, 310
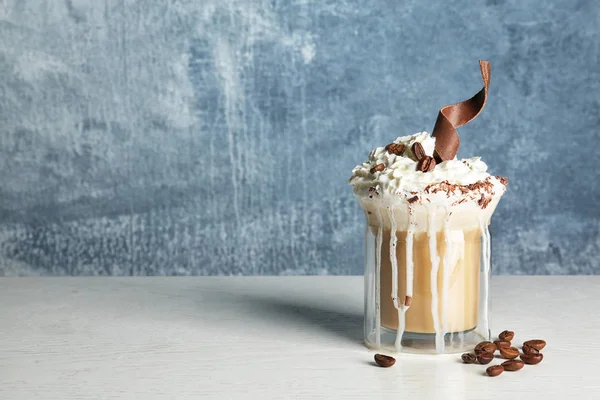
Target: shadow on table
343, 323
335, 318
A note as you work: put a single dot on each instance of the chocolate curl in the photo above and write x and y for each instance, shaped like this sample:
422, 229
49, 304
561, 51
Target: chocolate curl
456, 115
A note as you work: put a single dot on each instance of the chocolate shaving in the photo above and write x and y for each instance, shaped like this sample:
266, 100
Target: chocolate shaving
456, 115
418, 150
413, 199
502, 180
486, 185
445, 186
484, 201
426, 164
407, 301
395, 148
378, 167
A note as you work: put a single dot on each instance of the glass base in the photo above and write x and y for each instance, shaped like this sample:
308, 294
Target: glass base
425, 343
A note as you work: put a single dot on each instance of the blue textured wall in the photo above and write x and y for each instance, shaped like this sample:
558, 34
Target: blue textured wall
216, 137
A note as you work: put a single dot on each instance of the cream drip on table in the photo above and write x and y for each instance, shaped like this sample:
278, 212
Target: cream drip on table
456, 196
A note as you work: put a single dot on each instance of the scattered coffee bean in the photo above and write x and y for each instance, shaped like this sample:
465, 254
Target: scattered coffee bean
479, 347
378, 167
495, 370
484, 353
530, 350
532, 358
485, 347
536, 343
490, 348
506, 335
513, 365
509, 352
469, 358
485, 358
502, 343
384, 361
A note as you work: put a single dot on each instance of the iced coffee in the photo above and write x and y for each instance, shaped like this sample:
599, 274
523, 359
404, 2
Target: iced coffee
427, 238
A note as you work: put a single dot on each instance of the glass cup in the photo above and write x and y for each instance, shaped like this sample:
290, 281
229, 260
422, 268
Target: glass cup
427, 275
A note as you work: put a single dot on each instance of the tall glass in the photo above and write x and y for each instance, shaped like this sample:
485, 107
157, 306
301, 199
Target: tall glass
427, 275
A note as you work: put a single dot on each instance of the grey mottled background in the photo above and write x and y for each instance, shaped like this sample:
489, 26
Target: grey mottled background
216, 137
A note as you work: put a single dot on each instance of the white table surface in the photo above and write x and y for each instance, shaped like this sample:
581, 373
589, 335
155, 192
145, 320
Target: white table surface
270, 338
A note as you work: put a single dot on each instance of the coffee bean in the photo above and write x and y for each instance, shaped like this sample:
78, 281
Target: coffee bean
502, 343
495, 370
485, 358
513, 365
490, 348
532, 358
377, 168
536, 343
485, 347
530, 350
395, 148
469, 358
426, 164
509, 352
506, 335
384, 361
479, 347
418, 150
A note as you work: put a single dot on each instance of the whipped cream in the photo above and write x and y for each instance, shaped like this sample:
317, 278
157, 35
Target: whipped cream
401, 177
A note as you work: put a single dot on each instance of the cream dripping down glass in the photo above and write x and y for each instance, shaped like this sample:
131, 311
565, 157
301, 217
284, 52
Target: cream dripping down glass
427, 238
